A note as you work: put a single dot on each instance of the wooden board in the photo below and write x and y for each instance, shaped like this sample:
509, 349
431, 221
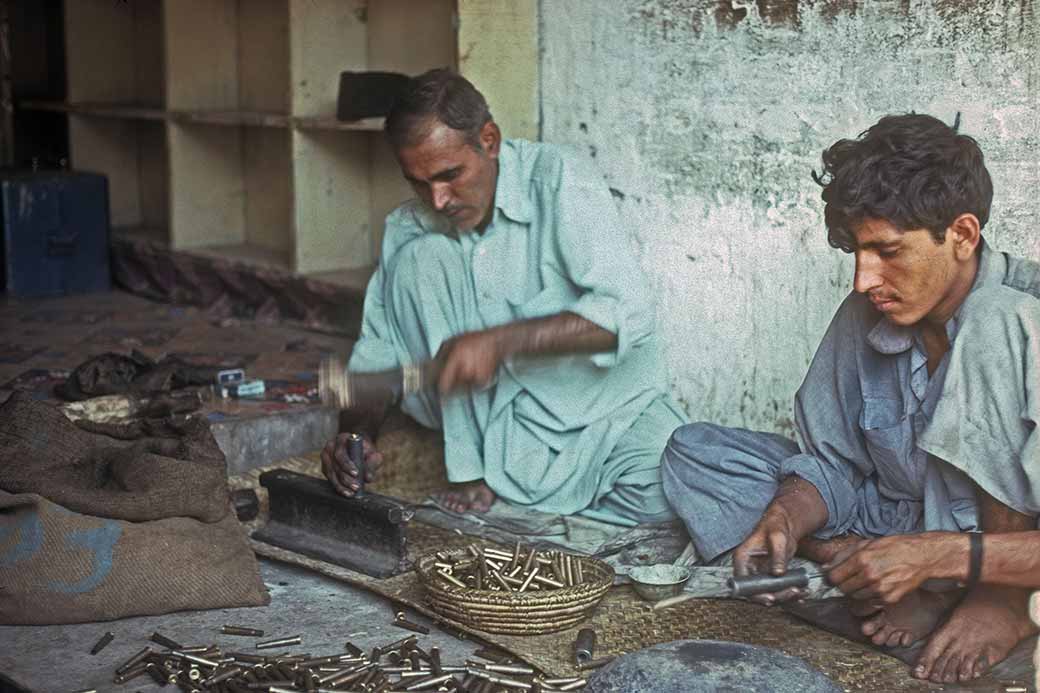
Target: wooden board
232, 118
99, 51
110, 147
267, 172
153, 168
201, 54
389, 189
101, 110
263, 56
326, 38
149, 53
411, 37
332, 188
498, 51
332, 123
207, 194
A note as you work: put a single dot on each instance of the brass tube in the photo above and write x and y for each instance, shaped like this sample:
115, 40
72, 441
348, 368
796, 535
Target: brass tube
280, 642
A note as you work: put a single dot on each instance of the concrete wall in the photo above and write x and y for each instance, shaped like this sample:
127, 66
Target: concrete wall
706, 117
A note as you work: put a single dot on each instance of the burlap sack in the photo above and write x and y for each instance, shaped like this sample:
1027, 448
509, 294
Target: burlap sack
143, 470
58, 566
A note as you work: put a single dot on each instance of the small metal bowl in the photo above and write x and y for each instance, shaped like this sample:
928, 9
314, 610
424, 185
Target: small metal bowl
660, 581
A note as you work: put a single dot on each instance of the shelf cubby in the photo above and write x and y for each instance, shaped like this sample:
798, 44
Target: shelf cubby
230, 187
215, 120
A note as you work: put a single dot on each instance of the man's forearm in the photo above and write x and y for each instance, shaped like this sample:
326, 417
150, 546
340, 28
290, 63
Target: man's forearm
563, 333
1010, 558
802, 506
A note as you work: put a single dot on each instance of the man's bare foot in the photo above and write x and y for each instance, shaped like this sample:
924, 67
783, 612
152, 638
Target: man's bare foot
908, 620
474, 496
980, 632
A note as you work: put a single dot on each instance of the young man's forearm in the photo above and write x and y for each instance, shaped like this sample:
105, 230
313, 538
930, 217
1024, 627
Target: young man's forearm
802, 504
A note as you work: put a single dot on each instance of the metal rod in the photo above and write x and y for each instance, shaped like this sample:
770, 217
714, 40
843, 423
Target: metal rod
280, 642
102, 643
166, 642
134, 660
241, 630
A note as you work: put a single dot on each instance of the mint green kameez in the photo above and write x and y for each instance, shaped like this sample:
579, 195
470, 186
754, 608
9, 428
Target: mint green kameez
561, 434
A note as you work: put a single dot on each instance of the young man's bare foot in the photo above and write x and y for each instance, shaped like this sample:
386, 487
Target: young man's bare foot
908, 620
472, 496
980, 632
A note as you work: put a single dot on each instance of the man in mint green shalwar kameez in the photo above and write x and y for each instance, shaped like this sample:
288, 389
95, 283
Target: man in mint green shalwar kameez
513, 269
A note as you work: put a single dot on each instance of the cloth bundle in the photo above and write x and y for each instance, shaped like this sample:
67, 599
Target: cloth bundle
136, 374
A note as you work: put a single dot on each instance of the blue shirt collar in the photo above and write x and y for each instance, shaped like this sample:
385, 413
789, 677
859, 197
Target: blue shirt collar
894, 339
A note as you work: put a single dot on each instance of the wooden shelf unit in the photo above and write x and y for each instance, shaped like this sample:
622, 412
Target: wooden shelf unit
231, 118
214, 120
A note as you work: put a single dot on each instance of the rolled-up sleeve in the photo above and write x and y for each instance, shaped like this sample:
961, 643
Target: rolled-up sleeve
599, 259
828, 407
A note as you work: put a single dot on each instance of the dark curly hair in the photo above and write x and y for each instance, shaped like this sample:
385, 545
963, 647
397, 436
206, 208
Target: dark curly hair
913, 170
440, 95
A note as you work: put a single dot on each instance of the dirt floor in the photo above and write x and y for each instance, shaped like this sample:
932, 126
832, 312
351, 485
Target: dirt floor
41, 341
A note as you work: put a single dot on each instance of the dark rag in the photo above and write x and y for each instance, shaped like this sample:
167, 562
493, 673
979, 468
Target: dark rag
136, 374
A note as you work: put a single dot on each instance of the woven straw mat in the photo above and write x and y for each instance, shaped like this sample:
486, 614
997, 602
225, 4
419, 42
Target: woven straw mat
413, 467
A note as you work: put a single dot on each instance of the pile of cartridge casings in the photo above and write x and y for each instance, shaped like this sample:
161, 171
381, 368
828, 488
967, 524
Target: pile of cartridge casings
489, 568
397, 666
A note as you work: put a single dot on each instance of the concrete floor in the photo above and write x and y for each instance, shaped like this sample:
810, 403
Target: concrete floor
42, 340
325, 611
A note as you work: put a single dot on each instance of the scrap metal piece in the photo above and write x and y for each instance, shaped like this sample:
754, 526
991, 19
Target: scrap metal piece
595, 663
356, 454
401, 622
246, 504
128, 664
584, 645
166, 642
102, 643
131, 673
749, 585
241, 630
363, 533
279, 642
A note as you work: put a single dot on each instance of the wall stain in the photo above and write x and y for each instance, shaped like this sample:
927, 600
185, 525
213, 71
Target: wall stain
727, 16
779, 12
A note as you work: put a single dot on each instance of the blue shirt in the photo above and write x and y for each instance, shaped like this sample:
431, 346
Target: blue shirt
869, 410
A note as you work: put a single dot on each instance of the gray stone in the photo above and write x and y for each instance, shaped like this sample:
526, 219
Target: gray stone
709, 666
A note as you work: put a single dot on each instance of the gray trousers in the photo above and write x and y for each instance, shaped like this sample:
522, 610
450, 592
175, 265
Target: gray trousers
720, 480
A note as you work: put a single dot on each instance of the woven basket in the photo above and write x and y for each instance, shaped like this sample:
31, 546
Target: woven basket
516, 613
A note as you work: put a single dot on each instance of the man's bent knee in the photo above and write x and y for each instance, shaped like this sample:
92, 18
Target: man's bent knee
686, 440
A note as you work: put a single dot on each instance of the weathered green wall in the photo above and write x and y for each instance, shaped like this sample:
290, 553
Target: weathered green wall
706, 118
